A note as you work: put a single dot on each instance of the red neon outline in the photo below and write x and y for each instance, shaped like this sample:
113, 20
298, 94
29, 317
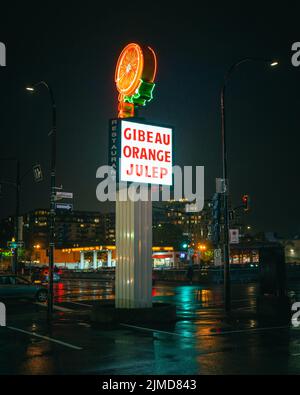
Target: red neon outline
155, 64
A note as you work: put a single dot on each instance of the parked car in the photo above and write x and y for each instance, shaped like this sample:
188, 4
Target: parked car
41, 276
56, 277
12, 286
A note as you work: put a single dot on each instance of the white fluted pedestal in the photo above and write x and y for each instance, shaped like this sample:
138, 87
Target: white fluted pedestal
134, 254
133, 302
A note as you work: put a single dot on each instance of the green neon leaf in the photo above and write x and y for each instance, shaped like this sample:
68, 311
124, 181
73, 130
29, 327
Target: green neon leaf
143, 95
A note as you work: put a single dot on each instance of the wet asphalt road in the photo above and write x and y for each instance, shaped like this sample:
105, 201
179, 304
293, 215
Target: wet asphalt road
201, 342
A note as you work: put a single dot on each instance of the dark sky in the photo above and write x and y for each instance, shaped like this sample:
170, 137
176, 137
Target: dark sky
75, 49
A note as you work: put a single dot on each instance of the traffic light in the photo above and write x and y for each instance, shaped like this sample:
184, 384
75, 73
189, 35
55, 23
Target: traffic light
216, 217
184, 245
246, 202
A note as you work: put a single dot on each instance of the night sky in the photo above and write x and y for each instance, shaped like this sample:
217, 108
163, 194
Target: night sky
75, 49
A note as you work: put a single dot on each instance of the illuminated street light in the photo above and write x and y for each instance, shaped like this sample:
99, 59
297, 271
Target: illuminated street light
202, 247
30, 88
274, 64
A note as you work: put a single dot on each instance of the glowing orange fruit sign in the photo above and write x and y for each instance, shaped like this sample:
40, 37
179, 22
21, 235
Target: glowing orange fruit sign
134, 77
129, 69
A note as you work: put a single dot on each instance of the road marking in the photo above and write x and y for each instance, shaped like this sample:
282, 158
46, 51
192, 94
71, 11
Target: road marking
154, 330
247, 330
80, 304
84, 324
246, 308
206, 334
59, 308
45, 338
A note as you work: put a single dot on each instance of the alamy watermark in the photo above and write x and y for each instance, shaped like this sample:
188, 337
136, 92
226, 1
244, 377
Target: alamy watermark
296, 55
2, 314
2, 55
296, 315
183, 181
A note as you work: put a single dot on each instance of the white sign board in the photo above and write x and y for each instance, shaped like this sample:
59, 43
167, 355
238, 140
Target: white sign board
64, 206
191, 208
146, 153
37, 173
220, 185
64, 195
218, 257
234, 236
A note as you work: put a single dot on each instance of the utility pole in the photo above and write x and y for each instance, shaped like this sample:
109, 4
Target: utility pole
226, 246
52, 194
16, 185
52, 207
17, 214
17, 223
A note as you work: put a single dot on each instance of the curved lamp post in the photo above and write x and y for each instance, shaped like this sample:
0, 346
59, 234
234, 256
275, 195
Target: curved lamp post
52, 191
226, 246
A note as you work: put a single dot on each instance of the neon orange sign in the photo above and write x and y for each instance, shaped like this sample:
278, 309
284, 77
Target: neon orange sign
134, 77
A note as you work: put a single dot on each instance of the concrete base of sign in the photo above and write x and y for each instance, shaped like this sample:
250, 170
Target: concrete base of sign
106, 313
276, 309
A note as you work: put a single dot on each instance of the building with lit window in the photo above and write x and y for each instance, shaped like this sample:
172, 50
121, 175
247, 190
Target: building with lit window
109, 223
72, 228
193, 224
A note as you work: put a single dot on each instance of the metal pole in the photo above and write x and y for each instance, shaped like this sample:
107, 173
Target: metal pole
17, 210
52, 195
17, 213
226, 246
52, 207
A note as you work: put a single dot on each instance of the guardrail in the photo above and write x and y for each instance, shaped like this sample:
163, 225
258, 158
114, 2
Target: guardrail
105, 275
205, 275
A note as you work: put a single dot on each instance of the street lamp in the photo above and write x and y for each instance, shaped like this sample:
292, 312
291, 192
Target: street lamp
52, 191
226, 246
202, 247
